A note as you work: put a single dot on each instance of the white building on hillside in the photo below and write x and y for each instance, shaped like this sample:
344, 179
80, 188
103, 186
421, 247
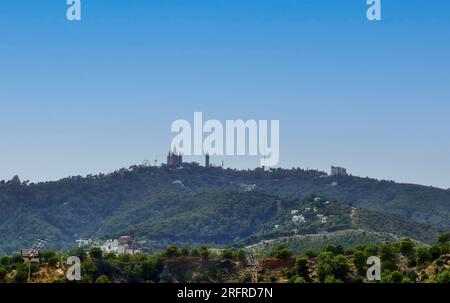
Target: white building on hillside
338, 171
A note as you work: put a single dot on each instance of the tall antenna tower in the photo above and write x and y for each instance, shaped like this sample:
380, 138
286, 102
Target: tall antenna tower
255, 265
32, 255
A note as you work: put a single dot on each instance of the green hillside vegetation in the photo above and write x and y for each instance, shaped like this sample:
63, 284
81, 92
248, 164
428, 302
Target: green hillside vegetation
210, 206
300, 244
404, 261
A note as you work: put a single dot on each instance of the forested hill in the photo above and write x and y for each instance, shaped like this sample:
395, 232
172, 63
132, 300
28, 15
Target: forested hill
156, 202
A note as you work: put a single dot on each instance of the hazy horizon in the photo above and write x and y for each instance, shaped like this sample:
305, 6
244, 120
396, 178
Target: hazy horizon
216, 163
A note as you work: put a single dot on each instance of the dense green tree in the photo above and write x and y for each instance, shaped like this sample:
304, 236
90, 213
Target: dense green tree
325, 266
16, 259
246, 278
444, 238
151, 269
204, 252
439, 262
422, 255
297, 279
406, 247
371, 250
47, 254
388, 257
332, 279
388, 265
411, 275
273, 279
281, 251
330, 265
443, 277
226, 254
88, 269
172, 251
3, 273
335, 249
301, 267
5, 261
240, 255
435, 252
360, 260
396, 277
21, 273
387, 251
310, 253
341, 267
95, 252
53, 261
185, 251
103, 279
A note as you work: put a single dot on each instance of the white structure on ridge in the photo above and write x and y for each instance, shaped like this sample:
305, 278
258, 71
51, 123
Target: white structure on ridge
338, 171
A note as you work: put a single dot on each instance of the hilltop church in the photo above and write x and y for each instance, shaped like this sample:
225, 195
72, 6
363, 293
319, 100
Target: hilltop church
174, 159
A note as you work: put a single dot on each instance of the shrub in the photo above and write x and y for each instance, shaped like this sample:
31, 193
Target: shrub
310, 253
406, 247
301, 266
411, 275
443, 277
172, 251
240, 255
396, 277
341, 267
422, 256
103, 279
21, 274
52, 261
273, 279
444, 238
297, 279
328, 265
16, 259
359, 259
281, 251
435, 252
95, 253
5, 261
226, 254
335, 249
388, 265
331, 279
439, 262
2, 273
246, 278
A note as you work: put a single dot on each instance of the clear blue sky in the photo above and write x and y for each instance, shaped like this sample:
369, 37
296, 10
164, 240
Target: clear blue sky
100, 94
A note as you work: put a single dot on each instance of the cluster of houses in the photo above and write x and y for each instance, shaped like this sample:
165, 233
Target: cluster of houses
123, 245
298, 217
247, 187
